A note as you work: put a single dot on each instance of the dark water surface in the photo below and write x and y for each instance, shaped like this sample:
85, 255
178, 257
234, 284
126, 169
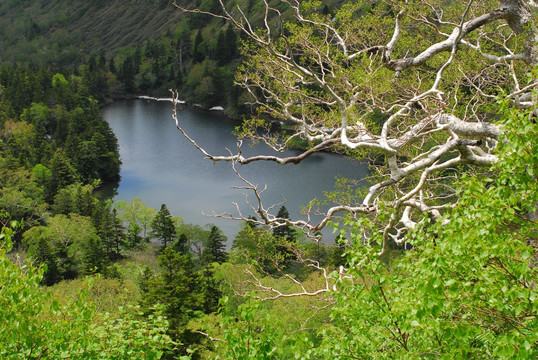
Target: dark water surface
161, 166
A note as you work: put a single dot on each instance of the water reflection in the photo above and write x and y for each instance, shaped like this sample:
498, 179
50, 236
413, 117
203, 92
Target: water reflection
161, 166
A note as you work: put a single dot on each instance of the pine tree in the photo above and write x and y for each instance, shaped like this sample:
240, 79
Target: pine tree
62, 170
93, 256
112, 66
285, 236
163, 226
110, 229
222, 55
210, 289
127, 74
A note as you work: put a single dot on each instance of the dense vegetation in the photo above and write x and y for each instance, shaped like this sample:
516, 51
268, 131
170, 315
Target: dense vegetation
126, 48
90, 278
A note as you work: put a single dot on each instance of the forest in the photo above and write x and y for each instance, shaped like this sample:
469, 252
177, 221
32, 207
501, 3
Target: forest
435, 254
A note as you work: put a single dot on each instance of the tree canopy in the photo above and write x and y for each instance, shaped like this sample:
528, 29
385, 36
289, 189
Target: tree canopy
440, 98
410, 85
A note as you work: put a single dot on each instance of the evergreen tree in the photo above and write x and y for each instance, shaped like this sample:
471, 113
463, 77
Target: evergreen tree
210, 290
231, 42
222, 54
181, 244
127, 74
285, 236
215, 247
133, 235
177, 288
163, 226
62, 170
112, 66
44, 254
110, 229
226, 47
285, 231
75, 199
93, 256
198, 53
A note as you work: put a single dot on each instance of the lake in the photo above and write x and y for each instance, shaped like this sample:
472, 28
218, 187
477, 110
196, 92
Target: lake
161, 167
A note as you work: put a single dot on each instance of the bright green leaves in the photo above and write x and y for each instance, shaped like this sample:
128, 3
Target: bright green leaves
466, 290
36, 325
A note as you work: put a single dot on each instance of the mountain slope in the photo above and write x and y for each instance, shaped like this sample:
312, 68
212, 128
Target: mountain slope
61, 31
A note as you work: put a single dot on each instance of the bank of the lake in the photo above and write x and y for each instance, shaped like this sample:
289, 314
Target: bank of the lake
160, 166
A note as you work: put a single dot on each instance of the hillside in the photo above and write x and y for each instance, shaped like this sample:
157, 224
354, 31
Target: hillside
61, 32
141, 46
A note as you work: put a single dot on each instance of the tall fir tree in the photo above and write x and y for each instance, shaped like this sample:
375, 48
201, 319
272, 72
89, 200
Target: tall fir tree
177, 288
198, 53
215, 250
182, 244
44, 253
285, 231
163, 226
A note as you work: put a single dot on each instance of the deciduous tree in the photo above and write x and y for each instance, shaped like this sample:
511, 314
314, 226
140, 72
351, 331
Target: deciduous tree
441, 98
411, 83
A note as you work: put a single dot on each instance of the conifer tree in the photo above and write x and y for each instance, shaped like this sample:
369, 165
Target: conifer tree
176, 287
181, 244
63, 171
197, 52
215, 248
163, 226
221, 51
93, 256
44, 254
284, 231
111, 230
231, 41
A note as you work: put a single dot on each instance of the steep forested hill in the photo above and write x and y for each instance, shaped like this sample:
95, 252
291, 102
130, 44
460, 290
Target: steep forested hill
62, 31
141, 46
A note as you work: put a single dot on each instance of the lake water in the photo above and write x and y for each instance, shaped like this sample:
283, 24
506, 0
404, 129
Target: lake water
161, 166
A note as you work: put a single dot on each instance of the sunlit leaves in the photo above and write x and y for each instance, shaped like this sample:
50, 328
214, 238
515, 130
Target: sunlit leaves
466, 289
36, 325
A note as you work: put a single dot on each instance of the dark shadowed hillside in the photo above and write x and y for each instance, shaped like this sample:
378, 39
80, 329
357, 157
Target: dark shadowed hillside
61, 31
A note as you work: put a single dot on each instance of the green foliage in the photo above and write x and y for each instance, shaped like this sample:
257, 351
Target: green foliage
21, 198
59, 126
466, 289
63, 171
163, 226
259, 247
215, 249
197, 237
250, 328
177, 289
74, 244
137, 215
111, 230
146, 51
108, 296
36, 325
75, 199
